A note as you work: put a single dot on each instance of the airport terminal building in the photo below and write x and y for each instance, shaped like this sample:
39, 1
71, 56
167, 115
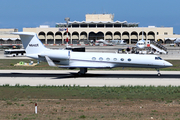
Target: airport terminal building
95, 27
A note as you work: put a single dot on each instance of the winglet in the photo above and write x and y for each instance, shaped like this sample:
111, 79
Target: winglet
50, 62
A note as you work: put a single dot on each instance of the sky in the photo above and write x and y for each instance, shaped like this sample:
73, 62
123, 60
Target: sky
33, 13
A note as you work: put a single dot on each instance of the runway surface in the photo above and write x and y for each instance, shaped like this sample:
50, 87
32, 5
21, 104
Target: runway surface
92, 78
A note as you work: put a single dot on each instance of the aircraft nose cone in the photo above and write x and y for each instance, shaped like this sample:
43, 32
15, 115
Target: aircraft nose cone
168, 64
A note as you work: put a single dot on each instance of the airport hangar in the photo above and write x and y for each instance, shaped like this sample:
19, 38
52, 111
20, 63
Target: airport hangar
96, 26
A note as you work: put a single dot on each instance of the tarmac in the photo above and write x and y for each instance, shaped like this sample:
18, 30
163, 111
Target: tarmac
92, 78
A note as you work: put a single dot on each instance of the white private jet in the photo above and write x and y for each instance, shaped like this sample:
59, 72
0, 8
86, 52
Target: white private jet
84, 60
177, 41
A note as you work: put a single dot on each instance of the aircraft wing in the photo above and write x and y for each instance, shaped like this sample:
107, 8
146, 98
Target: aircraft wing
51, 63
84, 67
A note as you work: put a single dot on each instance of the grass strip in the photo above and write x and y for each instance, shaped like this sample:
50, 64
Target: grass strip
162, 93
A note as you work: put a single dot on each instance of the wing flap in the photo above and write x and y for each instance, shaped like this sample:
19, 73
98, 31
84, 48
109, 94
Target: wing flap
84, 67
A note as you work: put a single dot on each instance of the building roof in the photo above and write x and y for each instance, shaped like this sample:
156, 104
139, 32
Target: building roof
98, 22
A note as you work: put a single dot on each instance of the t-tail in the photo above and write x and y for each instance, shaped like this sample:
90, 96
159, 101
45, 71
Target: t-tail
32, 45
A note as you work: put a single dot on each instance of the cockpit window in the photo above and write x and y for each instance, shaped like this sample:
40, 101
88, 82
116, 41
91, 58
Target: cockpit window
140, 43
158, 58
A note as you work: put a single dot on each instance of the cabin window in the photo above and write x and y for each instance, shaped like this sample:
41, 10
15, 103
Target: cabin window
93, 58
107, 59
115, 59
122, 59
129, 59
100, 58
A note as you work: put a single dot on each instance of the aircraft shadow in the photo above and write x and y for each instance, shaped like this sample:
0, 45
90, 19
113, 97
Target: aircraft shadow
75, 75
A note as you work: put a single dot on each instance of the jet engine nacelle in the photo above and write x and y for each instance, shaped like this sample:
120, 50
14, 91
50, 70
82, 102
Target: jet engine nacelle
57, 54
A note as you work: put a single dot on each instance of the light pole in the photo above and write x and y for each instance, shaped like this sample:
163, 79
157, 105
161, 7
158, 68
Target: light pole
67, 20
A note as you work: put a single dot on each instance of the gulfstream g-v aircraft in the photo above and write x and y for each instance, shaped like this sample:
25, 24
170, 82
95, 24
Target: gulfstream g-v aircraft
84, 60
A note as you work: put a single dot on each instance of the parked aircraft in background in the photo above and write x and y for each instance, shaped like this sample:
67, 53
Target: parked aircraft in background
102, 42
141, 44
177, 41
118, 42
84, 60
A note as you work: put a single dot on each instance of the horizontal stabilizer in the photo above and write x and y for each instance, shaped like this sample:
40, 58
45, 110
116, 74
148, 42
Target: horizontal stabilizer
24, 33
50, 62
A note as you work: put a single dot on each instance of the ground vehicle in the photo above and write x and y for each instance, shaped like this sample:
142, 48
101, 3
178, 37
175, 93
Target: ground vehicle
10, 46
14, 52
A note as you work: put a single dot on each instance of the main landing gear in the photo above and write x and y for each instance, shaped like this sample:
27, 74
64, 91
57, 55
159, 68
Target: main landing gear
159, 74
82, 71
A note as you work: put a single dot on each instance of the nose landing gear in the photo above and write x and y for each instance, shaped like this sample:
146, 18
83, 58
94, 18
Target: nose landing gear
159, 74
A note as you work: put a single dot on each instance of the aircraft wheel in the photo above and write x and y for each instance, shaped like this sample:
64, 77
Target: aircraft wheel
79, 73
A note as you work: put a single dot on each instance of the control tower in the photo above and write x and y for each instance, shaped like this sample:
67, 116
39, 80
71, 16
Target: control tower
100, 17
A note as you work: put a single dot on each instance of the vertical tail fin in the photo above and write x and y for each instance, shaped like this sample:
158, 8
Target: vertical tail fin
31, 43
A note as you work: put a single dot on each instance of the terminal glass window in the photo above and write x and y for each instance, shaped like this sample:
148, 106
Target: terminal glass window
100, 25
117, 25
83, 25
92, 25
75, 25
109, 25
